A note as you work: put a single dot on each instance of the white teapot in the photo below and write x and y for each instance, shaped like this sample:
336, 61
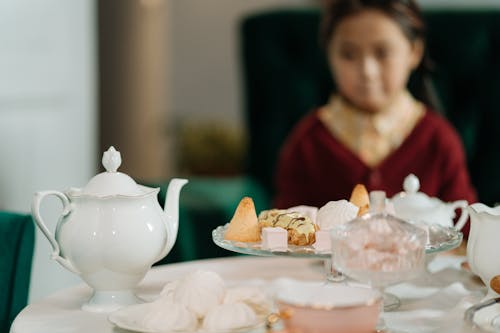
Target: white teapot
111, 232
416, 206
483, 244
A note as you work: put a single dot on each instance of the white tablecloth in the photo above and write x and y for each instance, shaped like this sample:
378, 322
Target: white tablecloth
433, 303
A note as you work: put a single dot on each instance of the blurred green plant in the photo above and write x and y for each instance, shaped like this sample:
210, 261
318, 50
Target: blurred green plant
211, 148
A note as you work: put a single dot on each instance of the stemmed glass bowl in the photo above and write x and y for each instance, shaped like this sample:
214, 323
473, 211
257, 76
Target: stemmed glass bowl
380, 250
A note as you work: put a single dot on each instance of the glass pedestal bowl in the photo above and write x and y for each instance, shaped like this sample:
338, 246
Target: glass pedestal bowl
380, 250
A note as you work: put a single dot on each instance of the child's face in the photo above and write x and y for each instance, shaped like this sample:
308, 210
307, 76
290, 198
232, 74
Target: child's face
372, 59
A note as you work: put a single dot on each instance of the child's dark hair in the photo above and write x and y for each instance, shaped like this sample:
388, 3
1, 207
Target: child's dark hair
406, 13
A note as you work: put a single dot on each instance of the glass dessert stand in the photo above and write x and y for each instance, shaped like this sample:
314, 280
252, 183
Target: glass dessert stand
441, 239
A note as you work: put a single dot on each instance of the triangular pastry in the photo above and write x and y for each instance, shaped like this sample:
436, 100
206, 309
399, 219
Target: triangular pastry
360, 198
243, 226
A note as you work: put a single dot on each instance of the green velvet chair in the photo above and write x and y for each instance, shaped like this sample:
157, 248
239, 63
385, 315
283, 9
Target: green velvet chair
17, 239
285, 75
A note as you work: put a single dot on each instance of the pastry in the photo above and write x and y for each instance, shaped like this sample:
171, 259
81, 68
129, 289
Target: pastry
301, 229
495, 283
244, 226
360, 198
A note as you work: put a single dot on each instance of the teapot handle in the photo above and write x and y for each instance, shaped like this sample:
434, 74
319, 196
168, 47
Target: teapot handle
35, 208
462, 204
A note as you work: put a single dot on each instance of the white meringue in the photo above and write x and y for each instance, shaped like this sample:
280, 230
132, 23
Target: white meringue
167, 293
156, 316
200, 291
309, 211
229, 316
335, 213
165, 316
255, 298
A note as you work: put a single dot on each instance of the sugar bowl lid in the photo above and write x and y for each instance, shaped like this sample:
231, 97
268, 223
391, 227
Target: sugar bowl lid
111, 182
411, 199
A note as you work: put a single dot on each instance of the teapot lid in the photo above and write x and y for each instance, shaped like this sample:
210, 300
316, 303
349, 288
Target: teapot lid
112, 182
411, 198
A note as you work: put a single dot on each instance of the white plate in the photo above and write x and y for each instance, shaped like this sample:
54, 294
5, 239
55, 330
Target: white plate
129, 317
488, 318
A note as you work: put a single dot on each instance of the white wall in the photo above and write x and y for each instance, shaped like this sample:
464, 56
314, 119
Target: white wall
47, 113
204, 59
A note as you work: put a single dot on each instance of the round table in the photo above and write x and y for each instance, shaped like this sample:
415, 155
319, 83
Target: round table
436, 300
61, 311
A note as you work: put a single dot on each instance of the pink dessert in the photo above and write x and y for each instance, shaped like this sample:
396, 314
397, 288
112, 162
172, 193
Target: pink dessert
379, 249
274, 238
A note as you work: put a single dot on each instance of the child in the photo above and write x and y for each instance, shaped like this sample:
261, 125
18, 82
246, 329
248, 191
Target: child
372, 131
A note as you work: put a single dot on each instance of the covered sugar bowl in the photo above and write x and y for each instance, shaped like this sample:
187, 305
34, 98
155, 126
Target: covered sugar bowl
418, 207
111, 231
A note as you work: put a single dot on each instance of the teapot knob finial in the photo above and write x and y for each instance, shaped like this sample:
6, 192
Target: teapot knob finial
411, 184
111, 159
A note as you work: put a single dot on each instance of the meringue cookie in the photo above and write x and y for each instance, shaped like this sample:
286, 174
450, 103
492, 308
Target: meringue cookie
255, 298
335, 213
167, 293
309, 211
200, 291
229, 316
169, 316
157, 316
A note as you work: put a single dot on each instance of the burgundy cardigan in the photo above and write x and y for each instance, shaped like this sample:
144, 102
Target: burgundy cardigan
314, 167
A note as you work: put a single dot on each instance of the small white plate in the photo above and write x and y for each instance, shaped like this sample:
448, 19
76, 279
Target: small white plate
122, 319
488, 318
130, 317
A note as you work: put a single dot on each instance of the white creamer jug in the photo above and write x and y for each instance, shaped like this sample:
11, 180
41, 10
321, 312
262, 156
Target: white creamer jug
483, 245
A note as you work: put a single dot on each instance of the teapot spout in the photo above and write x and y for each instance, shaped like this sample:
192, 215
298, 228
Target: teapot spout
172, 211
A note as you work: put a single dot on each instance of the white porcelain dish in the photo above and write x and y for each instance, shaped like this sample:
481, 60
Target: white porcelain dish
163, 311
485, 315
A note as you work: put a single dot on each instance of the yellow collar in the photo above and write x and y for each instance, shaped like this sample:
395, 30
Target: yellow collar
372, 136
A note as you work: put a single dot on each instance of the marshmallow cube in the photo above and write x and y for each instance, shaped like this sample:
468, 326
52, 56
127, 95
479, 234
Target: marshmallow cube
274, 238
323, 241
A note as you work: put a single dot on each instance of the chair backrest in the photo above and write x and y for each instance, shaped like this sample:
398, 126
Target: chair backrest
286, 75
16, 252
